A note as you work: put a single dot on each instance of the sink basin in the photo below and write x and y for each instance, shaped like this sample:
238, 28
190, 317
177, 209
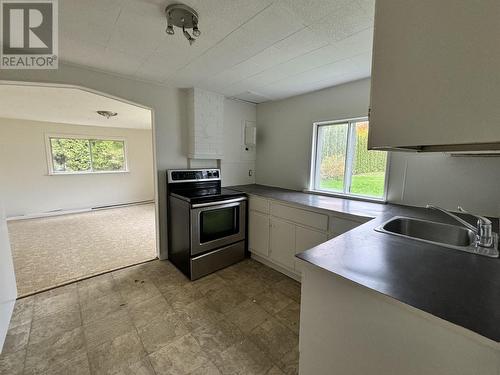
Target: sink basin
429, 231
446, 235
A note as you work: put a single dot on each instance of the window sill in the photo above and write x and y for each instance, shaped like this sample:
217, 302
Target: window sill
346, 196
85, 173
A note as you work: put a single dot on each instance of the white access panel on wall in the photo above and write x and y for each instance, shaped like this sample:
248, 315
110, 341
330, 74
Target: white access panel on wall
250, 134
248, 140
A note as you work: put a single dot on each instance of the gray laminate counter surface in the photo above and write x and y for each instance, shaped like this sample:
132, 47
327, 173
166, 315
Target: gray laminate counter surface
459, 287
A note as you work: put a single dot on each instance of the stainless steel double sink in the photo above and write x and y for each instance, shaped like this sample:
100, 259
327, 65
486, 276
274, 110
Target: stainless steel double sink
446, 235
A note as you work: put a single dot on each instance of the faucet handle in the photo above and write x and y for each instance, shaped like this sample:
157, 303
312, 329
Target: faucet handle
483, 219
484, 230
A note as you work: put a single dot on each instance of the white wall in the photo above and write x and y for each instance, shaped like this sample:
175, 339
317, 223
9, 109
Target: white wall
23, 159
8, 291
237, 161
284, 147
284, 130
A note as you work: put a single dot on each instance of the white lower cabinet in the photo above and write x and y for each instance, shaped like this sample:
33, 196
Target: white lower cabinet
277, 232
258, 233
306, 239
282, 242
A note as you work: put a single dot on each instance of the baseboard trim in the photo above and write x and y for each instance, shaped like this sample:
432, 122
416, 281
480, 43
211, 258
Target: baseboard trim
276, 267
76, 211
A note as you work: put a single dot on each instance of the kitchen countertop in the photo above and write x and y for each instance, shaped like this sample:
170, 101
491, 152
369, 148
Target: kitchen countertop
342, 205
459, 287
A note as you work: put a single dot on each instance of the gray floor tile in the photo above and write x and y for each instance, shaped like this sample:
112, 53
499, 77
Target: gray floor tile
274, 338
56, 300
208, 368
101, 307
53, 325
275, 370
250, 285
12, 363
143, 367
116, 355
218, 336
114, 325
54, 352
243, 358
290, 317
226, 299
181, 357
78, 365
289, 288
144, 312
179, 297
272, 301
289, 362
199, 313
216, 325
23, 312
95, 287
17, 338
209, 283
138, 291
247, 316
161, 331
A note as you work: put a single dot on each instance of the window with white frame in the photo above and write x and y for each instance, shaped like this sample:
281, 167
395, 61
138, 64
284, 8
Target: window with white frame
342, 163
70, 155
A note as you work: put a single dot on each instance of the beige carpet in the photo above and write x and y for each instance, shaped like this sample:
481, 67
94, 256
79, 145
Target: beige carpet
52, 251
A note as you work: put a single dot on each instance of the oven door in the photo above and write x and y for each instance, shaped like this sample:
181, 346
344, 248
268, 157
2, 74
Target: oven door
217, 224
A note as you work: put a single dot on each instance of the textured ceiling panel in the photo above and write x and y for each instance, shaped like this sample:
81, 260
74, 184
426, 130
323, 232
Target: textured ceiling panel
245, 47
54, 104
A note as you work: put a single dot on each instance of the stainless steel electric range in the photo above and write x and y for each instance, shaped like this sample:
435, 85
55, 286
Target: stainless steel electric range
207, 223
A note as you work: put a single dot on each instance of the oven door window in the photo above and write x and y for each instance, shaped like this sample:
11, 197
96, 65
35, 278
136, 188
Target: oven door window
219, 223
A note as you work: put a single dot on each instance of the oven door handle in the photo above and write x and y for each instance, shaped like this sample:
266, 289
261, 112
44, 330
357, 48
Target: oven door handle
219, 203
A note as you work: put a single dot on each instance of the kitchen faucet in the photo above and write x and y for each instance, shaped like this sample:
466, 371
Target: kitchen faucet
483, 231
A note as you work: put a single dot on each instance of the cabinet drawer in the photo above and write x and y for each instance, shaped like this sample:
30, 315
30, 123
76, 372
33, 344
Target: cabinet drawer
259, 204
308, 218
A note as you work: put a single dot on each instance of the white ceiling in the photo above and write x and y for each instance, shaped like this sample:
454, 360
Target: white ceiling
54, 104
255, 50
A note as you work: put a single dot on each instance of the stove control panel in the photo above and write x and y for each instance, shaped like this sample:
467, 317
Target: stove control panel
192, 175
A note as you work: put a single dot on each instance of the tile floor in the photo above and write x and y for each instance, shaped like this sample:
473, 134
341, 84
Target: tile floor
53, 251
149, 319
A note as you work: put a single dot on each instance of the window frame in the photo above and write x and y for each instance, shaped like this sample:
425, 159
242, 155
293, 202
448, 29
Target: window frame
314, 171
50, 161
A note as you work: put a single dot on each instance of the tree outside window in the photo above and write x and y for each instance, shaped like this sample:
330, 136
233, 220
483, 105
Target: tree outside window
79, 155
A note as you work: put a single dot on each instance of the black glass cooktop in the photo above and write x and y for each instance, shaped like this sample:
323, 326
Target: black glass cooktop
204, 195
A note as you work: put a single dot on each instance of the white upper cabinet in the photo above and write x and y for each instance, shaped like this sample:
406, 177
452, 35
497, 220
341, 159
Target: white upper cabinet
436, 75
205, 114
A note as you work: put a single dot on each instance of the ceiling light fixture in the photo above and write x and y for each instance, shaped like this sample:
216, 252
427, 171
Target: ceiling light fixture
184, 17
107, 114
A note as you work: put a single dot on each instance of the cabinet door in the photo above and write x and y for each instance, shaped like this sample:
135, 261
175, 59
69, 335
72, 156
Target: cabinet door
258, 233
306, 239
435, 73
283, 242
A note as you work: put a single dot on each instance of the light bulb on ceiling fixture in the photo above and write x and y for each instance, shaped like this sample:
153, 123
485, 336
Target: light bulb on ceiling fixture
196, 31
170, 30
188, 36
